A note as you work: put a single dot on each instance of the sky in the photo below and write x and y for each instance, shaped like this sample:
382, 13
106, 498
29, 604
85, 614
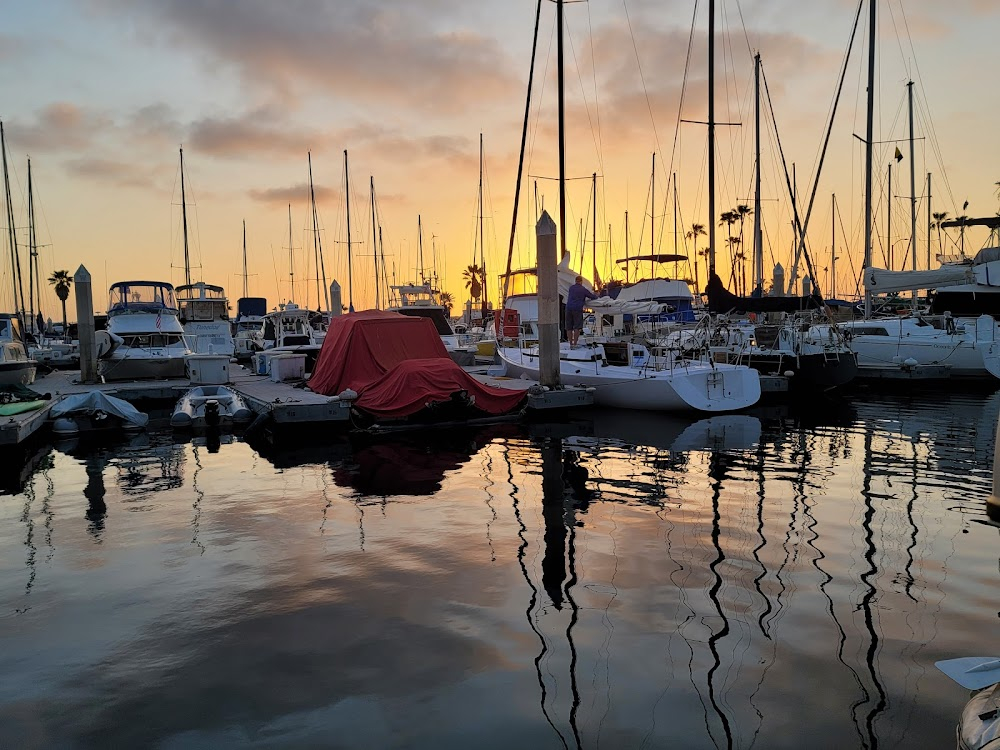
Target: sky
101, 95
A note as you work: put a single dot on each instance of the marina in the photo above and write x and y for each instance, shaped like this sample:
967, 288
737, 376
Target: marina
603, 581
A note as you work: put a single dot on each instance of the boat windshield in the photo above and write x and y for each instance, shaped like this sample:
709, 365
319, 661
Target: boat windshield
141, 296
522, 282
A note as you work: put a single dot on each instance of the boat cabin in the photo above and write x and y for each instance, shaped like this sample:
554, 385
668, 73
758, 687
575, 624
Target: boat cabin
202, 302
141, 296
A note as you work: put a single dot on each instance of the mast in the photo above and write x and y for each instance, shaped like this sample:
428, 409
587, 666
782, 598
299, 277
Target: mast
15, 257
711, 138
758, 245
184, 222
350, 274
246, 292
652, 217
562, 132
913, 195
869, 135
482, 246
420, 249
888, 217
374, 240
833, 249
930, 216
291, 258
32, 257
317, 244
520, 161
675, 222
595, 228
626, 246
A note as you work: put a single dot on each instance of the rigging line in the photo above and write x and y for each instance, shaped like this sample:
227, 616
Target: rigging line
597, 106
642, 78
583, 92
680, 100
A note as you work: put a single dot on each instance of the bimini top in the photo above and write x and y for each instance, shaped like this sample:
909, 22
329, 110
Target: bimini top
141, 296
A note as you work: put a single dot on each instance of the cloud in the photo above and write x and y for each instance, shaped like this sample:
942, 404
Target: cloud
247, 134
11, 47
282, 196
117, 173
58, 126
351, 49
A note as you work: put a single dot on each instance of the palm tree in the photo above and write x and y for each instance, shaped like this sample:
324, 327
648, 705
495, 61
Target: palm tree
472, 276
729, 218
697, 229
738, 257
939, 218
62, 281
447, 302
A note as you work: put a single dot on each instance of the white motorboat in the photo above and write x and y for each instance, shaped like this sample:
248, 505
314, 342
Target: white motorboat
289, 329
631, 380
421, 301
210, 406
16, 367
144, 315
959, 344
203, 311
979, 727
248, 338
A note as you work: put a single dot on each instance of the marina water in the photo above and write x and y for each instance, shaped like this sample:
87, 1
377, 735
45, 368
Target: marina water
776, 579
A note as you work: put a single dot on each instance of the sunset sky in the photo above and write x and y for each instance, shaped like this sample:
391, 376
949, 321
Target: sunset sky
100, 94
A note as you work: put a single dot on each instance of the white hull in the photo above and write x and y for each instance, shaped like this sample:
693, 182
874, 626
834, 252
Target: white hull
687, 386
19, 372
127, 363
210, 338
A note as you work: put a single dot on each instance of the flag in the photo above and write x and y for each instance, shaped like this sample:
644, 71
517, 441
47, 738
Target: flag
598, 284
899, 154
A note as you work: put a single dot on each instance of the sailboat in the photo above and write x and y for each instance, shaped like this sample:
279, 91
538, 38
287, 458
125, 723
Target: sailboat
249, 322
628, 378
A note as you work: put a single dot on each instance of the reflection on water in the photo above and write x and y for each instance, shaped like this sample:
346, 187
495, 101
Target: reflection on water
749, 580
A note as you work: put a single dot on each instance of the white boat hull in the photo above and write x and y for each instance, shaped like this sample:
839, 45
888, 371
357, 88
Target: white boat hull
691, 386
18, 372
142, 364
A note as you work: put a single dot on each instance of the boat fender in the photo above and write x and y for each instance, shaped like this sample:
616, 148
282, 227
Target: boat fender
789, 373
258, 424
347, 395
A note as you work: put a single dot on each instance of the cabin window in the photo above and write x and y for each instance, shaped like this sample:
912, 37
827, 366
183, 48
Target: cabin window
869, 331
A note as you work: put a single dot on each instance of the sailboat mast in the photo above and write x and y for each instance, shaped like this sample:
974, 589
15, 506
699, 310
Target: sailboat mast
675, 222
626, 246
913, 195
595, 228
711, 138
420, 249
562, 131
317, 243
833, 248
652, 216
374, 241
32, 256
184, 223
246, 292
758, 249
869, 136
15, 257
350, 273
888, 217
482, 246
291, 258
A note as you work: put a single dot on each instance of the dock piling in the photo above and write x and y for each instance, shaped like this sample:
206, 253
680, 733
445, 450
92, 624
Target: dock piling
548, 302
85, 324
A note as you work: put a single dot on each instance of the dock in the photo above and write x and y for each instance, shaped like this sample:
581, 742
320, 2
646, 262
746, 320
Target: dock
284, 402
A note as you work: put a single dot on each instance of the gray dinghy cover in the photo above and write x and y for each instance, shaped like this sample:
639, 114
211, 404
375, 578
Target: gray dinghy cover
88, 403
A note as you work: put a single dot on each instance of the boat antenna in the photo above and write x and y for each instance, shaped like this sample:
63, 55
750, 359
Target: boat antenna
184, 222
350, 276
520, 161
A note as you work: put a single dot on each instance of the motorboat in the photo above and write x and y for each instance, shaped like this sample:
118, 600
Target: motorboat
143, 314
289, 329
95, 412
16, 367
210, 406
203, 311
421, 301
248, 333
625, 376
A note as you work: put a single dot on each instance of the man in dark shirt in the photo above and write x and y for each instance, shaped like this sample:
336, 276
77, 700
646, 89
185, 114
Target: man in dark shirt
578, 294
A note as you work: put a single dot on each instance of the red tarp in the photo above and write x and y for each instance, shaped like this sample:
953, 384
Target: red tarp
397, 364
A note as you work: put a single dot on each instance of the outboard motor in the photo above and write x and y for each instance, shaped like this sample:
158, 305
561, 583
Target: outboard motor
212, 413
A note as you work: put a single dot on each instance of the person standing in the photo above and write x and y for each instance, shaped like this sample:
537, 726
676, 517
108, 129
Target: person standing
578, 295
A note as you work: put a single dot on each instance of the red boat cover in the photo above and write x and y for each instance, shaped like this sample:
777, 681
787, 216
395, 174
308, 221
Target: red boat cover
397, 364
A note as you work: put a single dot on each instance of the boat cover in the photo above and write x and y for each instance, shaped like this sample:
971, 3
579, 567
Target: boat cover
94, 401
415, 383
721, 300
397, 364
881, 281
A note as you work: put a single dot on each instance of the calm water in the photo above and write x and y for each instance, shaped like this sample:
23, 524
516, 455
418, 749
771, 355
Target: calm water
771, 580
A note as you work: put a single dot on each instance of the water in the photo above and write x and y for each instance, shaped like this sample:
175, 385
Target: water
773, 580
